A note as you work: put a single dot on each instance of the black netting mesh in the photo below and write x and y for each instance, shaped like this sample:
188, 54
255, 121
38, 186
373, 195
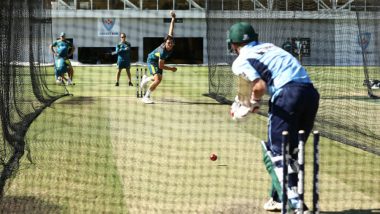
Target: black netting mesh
25, 27
101, 150
340, 53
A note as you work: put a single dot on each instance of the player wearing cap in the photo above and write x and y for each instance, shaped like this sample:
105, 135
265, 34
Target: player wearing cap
293, 101
156, 62
62, 48
123, 51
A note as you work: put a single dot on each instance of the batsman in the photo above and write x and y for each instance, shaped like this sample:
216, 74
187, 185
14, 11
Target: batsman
293, 103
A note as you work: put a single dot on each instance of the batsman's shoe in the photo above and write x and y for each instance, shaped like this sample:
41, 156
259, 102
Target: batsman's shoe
144, 81
297, 211
147, 100
305, 210
130, 83
272, 205
117, 84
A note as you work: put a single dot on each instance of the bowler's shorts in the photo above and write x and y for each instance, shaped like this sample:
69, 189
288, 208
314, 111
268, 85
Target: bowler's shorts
68, 63
123, 64
153, 69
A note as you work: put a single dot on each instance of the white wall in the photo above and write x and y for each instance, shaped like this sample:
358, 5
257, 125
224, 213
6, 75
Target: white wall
82, 26
333, 34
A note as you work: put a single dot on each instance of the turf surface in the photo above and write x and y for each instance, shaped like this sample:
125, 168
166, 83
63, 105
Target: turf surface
103, 151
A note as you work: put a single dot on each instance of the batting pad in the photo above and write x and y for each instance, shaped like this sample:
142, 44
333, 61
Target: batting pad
274, 167
267, 158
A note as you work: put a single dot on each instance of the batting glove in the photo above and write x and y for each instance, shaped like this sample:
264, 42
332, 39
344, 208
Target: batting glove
239, 111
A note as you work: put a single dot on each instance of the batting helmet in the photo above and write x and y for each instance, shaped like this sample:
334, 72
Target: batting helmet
242, 32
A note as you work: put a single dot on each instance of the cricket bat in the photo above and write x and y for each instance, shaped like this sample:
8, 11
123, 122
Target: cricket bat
245, 91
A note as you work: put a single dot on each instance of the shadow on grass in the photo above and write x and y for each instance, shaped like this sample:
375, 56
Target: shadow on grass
353, 211
81, 100
357, 98
182, 102
30, 205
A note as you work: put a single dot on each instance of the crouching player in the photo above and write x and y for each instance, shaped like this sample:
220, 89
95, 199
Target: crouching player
293, 102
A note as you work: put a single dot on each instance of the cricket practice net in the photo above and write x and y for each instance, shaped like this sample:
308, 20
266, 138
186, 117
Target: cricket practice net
95, 147
340, 50
24, 29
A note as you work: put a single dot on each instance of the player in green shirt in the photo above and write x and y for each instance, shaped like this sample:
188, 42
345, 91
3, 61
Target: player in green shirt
123, 51
156, 62
63, 49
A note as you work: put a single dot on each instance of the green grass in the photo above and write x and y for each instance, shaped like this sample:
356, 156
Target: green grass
345, 108
103, 151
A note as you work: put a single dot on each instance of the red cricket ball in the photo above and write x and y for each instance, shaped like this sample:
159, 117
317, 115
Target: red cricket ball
213, 157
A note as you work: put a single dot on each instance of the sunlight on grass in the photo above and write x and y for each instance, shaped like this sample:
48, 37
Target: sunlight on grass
103, 151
